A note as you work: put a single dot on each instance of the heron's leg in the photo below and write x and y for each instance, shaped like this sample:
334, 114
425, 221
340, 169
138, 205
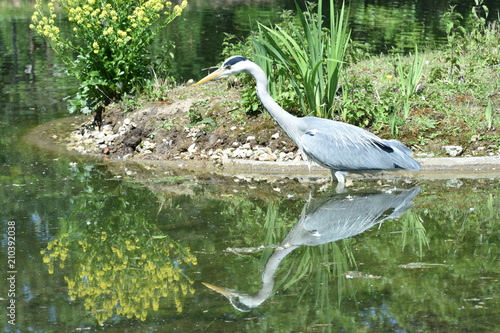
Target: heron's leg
340, 175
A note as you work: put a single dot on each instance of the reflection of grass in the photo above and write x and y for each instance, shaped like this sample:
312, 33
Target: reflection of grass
412, 224
118, 264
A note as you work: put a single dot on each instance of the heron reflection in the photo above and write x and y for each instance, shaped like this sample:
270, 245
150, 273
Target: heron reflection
324, 221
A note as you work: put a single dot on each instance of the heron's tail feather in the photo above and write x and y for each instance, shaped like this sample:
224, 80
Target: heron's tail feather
398, 145
401, 156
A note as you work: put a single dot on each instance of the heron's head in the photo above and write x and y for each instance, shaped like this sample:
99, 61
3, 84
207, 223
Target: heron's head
240, 301
233, 65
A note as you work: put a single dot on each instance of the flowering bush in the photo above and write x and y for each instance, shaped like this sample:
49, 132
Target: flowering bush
106, 50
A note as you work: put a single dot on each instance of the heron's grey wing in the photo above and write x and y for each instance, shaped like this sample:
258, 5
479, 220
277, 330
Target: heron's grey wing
344, 147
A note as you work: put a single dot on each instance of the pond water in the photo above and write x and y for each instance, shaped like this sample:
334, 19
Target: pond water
86, 247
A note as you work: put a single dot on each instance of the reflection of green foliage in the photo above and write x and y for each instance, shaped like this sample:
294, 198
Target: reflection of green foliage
118, 263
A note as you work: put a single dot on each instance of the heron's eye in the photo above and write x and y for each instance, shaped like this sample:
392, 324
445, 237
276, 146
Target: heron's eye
228, 67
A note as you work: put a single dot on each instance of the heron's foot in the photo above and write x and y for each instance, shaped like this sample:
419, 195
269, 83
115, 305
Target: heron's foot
340, 188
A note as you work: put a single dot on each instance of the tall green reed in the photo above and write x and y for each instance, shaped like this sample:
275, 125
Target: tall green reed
309, 56
491, 116
409, 82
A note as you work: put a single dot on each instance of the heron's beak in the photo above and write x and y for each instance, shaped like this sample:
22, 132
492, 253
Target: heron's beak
215, 75
222, 291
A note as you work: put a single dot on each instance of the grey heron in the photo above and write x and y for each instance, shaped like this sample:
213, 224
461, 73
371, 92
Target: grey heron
338, 146
323, 221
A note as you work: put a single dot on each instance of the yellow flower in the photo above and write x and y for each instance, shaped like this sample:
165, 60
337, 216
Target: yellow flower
96, 51
95, 45
388, 77
177, 10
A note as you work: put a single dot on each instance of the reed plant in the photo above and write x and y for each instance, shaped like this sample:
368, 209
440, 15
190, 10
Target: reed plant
308, 56
490, 115
409, 82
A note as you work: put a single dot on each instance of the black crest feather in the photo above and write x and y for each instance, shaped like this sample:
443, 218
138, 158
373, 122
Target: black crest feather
234, 60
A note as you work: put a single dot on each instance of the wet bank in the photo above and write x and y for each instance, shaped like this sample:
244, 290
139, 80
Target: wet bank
54, 136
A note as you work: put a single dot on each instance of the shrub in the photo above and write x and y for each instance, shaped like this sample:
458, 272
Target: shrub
107, 48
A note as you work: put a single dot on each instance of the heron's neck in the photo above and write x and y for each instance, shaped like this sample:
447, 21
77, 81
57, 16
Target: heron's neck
287, 122
268, 274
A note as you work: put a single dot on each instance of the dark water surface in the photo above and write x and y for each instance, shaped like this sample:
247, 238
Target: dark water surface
93, 250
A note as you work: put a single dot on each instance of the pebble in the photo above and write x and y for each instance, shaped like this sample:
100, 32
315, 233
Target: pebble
192, 148
85, 140
453, 150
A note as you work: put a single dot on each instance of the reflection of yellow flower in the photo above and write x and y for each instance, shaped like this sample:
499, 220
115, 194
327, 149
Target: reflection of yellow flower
138, 283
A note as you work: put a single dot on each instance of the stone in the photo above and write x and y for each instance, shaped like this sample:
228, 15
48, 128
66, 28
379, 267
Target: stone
239, 153
453, 150
267, 157
192, 148
99, 135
